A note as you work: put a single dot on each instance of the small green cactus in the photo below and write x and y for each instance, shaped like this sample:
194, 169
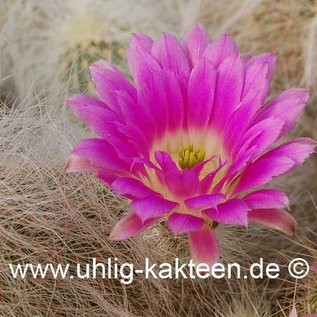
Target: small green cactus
75, 62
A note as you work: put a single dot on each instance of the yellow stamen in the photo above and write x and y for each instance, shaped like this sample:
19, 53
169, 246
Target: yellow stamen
189, 156
180, 151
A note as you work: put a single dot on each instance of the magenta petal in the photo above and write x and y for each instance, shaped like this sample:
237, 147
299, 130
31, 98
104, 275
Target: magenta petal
297, 149
108, 176
134, 113
108, 79
175, 100
100, 153
259, 73
141, 41
136, 136
182, 223
184, 183
201, 94
152, 95
204, 246
129, 226
170, 54
152, 207
238, 165
287, 107
266, 198
265, 58
276, 162
144, 162
227, 92
94, 112
231, 212
219, 50
166, 162
277, 219
196, 41
241, 118
131, 188
204, 201
206, 183
261, 135
141, 62
263, 171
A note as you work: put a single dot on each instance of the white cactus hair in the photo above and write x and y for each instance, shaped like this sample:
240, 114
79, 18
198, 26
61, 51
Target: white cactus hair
47, 215
38, 32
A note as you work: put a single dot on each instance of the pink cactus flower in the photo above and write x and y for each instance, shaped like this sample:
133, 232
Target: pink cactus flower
192, 139
314, 267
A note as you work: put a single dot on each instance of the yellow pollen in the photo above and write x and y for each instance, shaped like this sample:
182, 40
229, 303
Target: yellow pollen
189, 156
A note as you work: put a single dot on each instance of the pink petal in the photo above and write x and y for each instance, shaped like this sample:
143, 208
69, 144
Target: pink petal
231, 212
152, 95
142, 41
108, 176
196, 41
293, 312
262, 135
219, 50
170, 54
77, 163
166, 162
152, 207
204, 246
241, 118
145, 162
175, 100
265, 58
204, 201
182, 223
108, 79
125, 150
314, 267
131, 188
94, 112
135, 114
142, 63
228, 91
277, 219
287, 107
266, 198
298, 150
206, 183
259, 73
100, 153
182, 184
237, 166
201, 93
263, 171
136, 136
276, 162
129, 226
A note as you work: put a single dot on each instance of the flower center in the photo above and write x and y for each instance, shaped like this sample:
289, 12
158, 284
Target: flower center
189, 156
